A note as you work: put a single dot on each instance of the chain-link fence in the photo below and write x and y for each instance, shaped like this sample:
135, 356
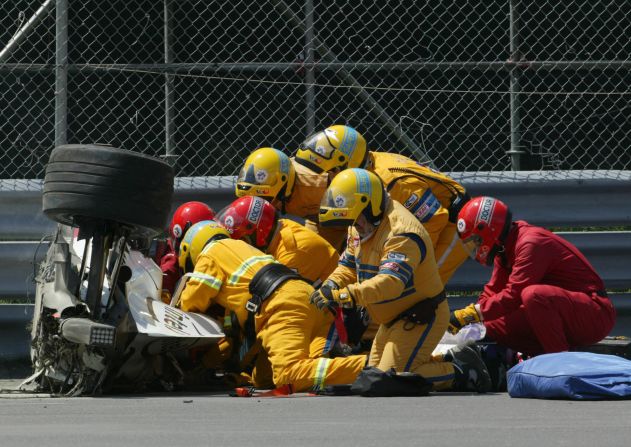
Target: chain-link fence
467, 85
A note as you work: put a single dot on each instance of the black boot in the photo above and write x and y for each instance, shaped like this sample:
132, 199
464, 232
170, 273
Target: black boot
471, 373
498, 361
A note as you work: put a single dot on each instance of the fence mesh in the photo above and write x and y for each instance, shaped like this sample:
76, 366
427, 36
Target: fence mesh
467, 85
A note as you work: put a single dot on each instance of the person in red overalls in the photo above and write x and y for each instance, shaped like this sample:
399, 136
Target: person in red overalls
543, 295
184, 217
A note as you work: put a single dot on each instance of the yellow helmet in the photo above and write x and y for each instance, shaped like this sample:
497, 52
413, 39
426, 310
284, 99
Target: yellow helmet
266, 173
351, 193
195, 239
335, 147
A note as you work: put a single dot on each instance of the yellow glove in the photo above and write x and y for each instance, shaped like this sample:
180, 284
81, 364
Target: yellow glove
325, 297
165, 296
461, 317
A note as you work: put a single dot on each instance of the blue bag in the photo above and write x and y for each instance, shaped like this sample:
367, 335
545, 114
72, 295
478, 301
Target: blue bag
571, 375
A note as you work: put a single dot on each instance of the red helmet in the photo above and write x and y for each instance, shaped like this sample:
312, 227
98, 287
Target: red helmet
483, 224
247, 216
187, 215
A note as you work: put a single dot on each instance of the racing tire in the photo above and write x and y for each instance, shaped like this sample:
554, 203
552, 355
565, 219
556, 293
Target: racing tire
106, 183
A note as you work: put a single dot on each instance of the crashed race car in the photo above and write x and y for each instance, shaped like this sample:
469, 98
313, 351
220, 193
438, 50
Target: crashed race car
99, 324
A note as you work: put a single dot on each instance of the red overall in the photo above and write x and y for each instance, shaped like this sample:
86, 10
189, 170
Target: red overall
170, 269
544, 296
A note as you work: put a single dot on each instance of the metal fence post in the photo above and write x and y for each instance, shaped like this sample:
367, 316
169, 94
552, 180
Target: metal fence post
515, 72
169, 125
61, 72
310, 72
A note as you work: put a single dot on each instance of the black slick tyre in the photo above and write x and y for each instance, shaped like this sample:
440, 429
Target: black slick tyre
106, 183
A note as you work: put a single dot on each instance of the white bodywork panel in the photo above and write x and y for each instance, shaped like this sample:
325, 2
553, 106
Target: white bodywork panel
151, 315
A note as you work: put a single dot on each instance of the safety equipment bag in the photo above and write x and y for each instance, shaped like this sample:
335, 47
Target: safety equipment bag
571, 375
372, 382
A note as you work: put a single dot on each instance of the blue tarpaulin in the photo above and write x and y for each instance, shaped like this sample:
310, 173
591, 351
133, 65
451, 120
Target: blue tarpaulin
571, 375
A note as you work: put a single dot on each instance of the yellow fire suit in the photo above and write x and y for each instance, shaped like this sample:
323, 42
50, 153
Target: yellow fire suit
387, 274
309, 188
303, 251
292, 332
305, 202
428, 194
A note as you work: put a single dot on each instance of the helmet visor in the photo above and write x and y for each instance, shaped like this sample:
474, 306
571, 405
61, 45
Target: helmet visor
235, 223
254, 183
320, 144
472, 245
338, 209
247, 175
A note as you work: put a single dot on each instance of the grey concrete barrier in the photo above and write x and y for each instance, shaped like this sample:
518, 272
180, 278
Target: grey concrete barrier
21, 211
558, 198
18, 264
608, 252
15, 333
549, 198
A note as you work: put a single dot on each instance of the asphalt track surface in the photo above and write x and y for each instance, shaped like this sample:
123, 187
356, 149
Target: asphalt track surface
441, 419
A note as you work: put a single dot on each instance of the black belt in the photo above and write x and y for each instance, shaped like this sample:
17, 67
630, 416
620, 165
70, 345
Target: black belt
269, 278
422, 312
